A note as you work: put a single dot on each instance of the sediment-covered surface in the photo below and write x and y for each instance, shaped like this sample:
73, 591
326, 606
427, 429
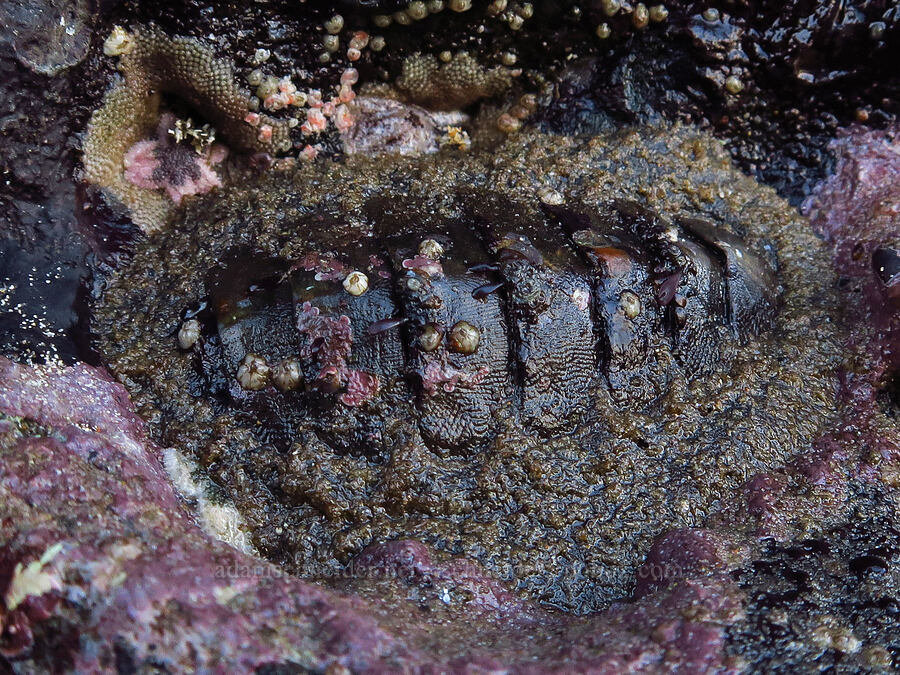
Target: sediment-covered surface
104, 569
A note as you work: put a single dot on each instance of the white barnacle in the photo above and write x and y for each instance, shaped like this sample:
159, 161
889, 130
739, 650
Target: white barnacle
430, 338
188, 334
630, 304
431, 249
287, 375
334, 25
549, 196
463, 338
253, 373
356, 283
119, 42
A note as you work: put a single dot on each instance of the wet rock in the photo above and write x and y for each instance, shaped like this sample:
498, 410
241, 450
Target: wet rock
109, 568
48, 36
42, 253
824, 601
857, 210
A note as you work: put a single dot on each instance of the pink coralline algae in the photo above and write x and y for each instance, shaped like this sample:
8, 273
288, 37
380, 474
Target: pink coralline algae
136, 577
163, 164
329, 341
361, 386
326, 269
141, 584
424, 265
448, 377
857, 210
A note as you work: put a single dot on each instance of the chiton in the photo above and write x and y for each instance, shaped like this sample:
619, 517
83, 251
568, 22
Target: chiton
484, 316
424, 348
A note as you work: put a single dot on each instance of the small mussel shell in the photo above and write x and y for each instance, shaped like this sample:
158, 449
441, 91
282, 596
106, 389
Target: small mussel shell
515, 246
430, 337
384, 325
463, 338
485, 290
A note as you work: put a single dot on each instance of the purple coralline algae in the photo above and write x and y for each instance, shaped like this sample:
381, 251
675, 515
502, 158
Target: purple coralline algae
439, 374
109, 568
857, 210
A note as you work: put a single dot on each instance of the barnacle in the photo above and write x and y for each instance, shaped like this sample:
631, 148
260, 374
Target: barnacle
452, 85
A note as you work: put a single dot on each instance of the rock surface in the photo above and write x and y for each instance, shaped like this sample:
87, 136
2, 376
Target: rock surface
102, 568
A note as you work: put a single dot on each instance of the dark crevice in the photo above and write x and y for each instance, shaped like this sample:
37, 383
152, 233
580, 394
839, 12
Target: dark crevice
406, 329
570, 222
718, 256
889, 395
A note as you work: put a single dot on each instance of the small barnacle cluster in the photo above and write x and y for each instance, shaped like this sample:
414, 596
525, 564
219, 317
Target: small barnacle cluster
359, 40
511, 121
514, 14
418, 10
275, 93
255, 373
638, 15
453, 82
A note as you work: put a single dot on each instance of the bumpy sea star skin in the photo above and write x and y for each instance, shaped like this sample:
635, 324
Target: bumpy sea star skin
614, 343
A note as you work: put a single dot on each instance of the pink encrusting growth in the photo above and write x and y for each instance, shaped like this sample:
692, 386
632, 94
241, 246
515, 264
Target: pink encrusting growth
361, 386
424, 265
321, 110
329, 341
309, 153
448, 377
326, 269
163, 164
